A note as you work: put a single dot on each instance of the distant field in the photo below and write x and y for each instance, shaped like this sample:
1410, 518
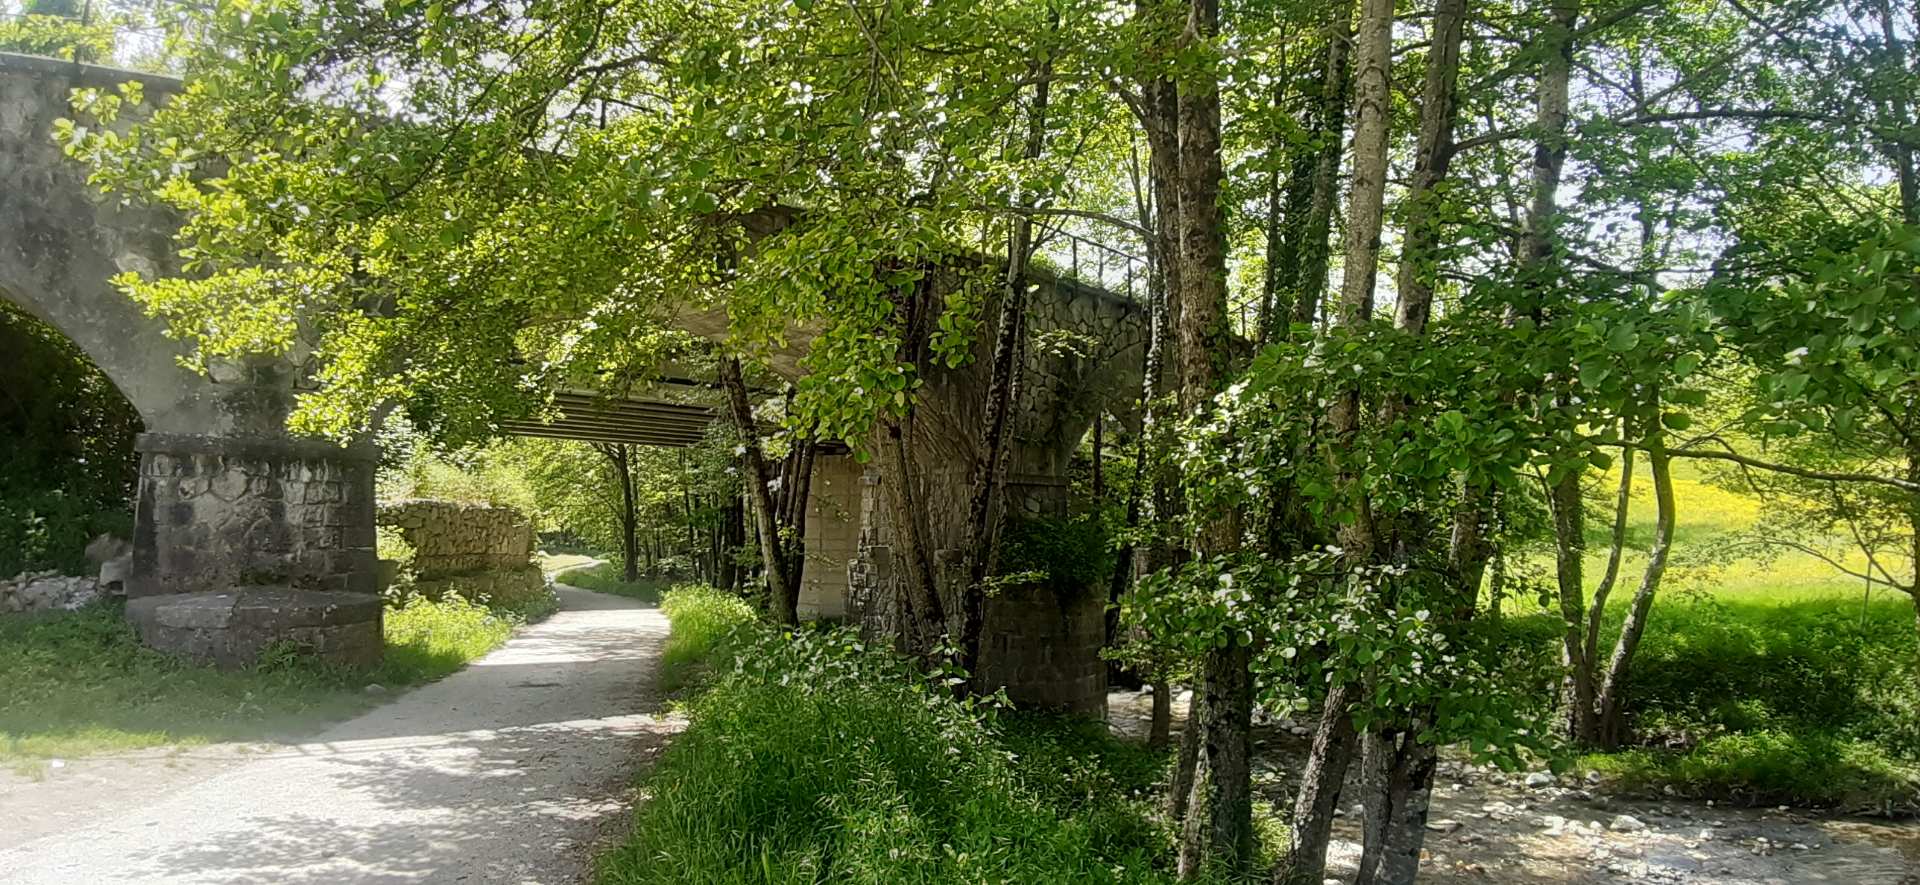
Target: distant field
1714, 549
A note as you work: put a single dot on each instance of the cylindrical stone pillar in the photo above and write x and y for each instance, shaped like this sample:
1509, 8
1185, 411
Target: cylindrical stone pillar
215, 513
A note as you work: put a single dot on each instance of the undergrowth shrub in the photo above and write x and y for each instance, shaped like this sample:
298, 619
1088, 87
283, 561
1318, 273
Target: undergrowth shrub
816, 758
1814, 702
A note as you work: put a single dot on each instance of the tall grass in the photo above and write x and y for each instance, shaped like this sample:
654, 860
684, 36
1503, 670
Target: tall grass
813, 758
1764, 676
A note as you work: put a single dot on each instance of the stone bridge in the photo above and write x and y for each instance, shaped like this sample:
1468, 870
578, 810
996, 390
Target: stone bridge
227, 500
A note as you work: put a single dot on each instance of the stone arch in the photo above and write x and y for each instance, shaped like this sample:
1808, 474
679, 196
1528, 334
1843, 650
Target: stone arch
61, 242
226, 499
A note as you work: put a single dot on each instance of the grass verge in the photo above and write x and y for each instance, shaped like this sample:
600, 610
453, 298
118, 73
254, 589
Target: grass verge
79, 683
606, 578
812, 758
1809, 702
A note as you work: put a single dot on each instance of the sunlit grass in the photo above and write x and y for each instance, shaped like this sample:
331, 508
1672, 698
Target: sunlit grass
80, 683
606, 578
1780, 679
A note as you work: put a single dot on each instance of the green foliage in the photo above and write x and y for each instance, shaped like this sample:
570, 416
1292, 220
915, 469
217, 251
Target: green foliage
68, 469
818, 759
605, 578
1808, 766
1070, 555
57, 35
80, 682
703, 618
1807, 701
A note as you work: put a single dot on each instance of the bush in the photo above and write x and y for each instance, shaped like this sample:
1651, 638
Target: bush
1810, 701
1811, 767
428, 639
815, 758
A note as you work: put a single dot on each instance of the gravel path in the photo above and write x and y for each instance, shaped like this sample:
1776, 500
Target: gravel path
511, 770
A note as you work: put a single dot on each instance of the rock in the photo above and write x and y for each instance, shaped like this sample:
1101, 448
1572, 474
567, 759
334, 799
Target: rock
1626, 823
1549, 822
1300, 731
1444, 825
106, 548
1538, 779
1593, 778
375, 688
1799, 846
114, 572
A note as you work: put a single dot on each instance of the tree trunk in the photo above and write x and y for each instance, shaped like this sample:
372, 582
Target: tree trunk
1309, 246
782, 596
1321, 778
1373, 62
1160, 726
1180, 792
1333, 743
1432, 158
1222, 837
1609, 729
796, 517
1398, 798
1397, 805
983, 512
1222, 808
1622, 504
1568, 510
620, 457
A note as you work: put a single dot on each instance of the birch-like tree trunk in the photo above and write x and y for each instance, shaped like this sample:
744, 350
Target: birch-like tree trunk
1399, 761
1610, 694
1333, 743
983, 510
783, 596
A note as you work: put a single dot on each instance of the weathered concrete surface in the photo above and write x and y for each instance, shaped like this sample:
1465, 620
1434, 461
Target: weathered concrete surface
61, 242
510, 771
231, 629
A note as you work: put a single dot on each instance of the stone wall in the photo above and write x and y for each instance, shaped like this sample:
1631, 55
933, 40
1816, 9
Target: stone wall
833, 536
452, 539
221, 512
46, 591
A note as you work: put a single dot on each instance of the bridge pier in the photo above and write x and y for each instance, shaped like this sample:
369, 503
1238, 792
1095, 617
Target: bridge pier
242, 543
214, 512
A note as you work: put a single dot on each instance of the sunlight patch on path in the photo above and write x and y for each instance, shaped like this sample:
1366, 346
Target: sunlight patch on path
508, 771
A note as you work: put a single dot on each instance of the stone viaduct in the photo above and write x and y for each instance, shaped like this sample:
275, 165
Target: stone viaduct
271, 536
